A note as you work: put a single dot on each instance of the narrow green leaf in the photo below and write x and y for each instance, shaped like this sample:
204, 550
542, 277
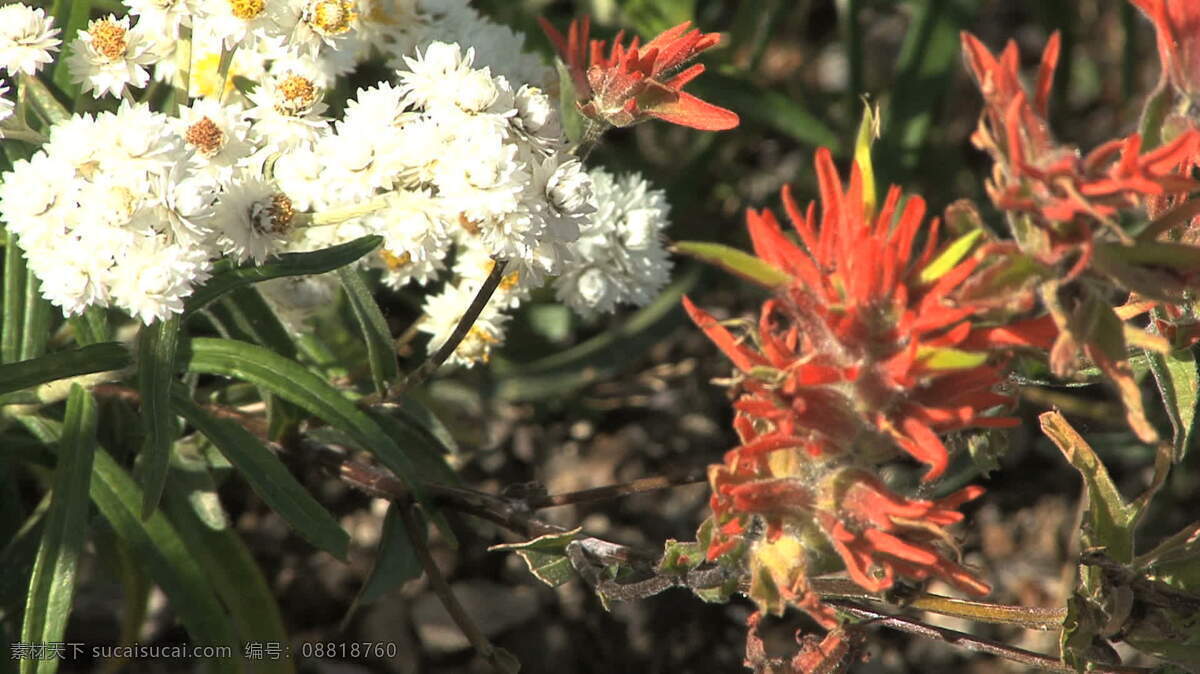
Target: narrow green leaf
1178, 382
948, 358
17, 557
423, 448
1109, 517
868, 131
52, 585
63, 364
135, 589
35, 327
651, 17
14, 301
255, 321
225, 560
289, 380
395, 563
928, 61
170, 563
72, 16
92, 326
157, 348
734, 261
380, 352
288, 264
269, 478
950, 257
573, 121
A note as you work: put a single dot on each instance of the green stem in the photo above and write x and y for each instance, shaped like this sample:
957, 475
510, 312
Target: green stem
14, 300
335, 216
183, 68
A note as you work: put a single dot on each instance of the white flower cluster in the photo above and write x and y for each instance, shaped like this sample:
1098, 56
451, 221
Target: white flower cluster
459, 163
621, 259
109, 212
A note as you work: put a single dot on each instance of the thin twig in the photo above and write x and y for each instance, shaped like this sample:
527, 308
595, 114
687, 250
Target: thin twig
461, 330
609, 492
1028, 617
973, 643
442, 589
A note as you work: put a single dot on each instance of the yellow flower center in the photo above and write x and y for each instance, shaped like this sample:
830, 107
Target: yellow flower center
298, 92
274, 218
395, 262
510, 281
205, 136
247, 9
468, 224
108, 39
331, 17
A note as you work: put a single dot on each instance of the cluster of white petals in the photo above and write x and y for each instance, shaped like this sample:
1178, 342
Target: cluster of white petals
458, 162
109, 212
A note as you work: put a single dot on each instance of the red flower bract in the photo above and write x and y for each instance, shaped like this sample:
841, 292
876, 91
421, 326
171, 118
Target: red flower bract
1177, 24
632, 83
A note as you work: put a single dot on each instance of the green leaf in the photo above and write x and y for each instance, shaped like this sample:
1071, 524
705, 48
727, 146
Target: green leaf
651, 17
868, 131
171, 564
293, 382
269, 478
380, 352
679, 558
948, 358
396, 560
599, 357
950, 257
254, 320
546, 556
71, 16
52, 585
17, 558
158, 344
925, 69
768, 108
91, 327
573, 121
1178, 381
228, 564
35, 328
288, 264
1110, 519
63, 364
734, 261
14, 300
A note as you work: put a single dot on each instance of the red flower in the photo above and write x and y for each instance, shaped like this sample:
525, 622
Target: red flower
633, 83
857, 355
1037, 175
1177, 24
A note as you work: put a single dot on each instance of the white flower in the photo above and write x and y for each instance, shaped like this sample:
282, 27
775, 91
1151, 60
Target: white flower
109, 56
153, 278
298, 173
239, 22
27, 36
287, 111
442, 314
620, 253
216, 134
415, 240
496, 46
254, 219
442, 75
312, 24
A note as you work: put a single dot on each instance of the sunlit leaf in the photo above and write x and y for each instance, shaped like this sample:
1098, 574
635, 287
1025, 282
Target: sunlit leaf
157, 347
63, 364
735, 261
380, 353
546, 556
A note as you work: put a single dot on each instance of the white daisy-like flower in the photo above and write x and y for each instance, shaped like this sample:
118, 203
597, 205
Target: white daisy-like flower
496, 46
415, 241
435, 77
537, 118
298, 173
240, 22
444, 310
109, 56
287, 111
27, 36
313, 24
217, 135
154, 278
254, 219
621, 259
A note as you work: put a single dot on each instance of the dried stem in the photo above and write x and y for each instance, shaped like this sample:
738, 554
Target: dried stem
442, 589
435, 361
606, 493
973, 643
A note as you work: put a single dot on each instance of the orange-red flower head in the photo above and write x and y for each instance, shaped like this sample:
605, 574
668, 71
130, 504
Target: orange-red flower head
632, 83
1177, 24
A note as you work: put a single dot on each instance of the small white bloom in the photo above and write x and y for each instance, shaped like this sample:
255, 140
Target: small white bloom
239, 22
27, 36
313, 24
216, 134
621, 259
109, 56
154, 278
162, 17
254, 219
287, 111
